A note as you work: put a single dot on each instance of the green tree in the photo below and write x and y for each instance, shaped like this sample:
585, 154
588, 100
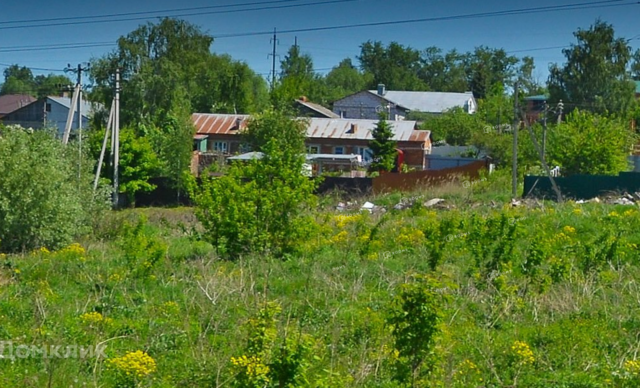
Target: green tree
635, 66
172, 60
486, 67
572, 146
455, 126
444, 73
345, 79
18, 80
50, 85
297, 78
395, 65
44, 200
414, 320
383, 146
138, 163
594, 75
259, 206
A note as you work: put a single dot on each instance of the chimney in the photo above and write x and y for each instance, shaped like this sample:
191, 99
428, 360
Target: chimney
238, 123
381, 90
304, 99
352, 128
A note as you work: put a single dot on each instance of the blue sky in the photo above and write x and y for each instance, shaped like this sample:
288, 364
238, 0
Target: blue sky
513, 33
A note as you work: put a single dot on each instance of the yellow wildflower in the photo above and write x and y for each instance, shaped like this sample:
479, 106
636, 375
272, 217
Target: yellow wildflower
632, 367
136, 364
569, 229
523, 353
340, 237
115, 278
343, 220
252, 366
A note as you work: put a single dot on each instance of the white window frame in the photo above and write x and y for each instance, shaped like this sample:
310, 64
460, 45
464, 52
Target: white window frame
336, 148
220, 146
312, 147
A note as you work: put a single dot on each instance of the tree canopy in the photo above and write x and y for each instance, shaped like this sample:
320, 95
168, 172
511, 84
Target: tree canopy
20, 80
595, 75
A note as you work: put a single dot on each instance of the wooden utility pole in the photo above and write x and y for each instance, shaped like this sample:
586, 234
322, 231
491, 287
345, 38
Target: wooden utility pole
516, 123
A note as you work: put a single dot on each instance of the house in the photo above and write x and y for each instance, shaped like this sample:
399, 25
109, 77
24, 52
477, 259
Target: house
48, 112
12, 102
369, 103
218, 133
305, 108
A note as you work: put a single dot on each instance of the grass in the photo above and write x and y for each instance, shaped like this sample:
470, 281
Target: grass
537, 296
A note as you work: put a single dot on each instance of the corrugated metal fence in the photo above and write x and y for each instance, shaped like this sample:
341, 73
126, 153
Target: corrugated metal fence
582, 186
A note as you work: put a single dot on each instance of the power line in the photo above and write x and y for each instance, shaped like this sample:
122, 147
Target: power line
143, 12
521, 11
182, 14
575, 6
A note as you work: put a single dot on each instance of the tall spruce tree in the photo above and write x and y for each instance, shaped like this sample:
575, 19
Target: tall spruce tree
383, 146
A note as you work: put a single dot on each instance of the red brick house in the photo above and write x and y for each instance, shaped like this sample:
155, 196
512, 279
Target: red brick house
218, 133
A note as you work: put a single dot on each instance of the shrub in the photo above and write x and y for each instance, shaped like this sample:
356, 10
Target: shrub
259, 205
46, 196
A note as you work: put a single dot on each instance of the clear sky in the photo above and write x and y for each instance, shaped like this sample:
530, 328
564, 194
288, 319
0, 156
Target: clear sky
518, 34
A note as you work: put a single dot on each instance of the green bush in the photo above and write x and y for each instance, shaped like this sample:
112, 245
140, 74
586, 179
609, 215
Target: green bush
46, 196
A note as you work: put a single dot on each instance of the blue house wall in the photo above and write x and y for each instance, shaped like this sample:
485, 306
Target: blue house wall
44, 113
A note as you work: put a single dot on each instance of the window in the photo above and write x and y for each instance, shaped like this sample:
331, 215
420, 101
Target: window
47, 107
338, 150
366, 153
221, 146
313, 149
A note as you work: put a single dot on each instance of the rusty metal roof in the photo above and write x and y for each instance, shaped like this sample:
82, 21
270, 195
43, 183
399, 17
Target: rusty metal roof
219, 124
318, 128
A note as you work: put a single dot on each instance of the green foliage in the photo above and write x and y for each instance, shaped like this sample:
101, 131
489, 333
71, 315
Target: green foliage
142, 249
415, 323
383, 146
595, 74
173, 142
269, 362
259, 206
138, 162
169, 63
455, 126
573, 147
20, 80
44, 200
345, 79
396, 66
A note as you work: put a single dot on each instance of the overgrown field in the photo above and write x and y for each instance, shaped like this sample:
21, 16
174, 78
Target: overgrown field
479, 294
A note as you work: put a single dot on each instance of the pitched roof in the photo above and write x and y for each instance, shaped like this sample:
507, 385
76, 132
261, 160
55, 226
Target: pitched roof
428, 102
318, 128
318, 108
360, 129
12, 102
87, 107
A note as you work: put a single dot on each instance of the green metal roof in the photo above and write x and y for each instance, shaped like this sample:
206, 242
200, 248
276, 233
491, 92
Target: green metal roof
539, 97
